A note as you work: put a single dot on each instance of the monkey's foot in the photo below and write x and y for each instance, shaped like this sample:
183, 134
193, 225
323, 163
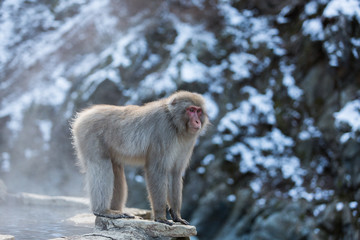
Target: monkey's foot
182, 221
113, 215
165, 221
176, 218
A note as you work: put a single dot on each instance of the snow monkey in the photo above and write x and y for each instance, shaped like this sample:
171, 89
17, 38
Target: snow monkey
159, 135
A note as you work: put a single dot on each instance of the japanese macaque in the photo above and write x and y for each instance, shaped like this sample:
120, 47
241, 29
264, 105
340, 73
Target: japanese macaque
159, 135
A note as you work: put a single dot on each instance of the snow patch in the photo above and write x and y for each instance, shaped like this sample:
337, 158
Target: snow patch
314, 29
350, 115
231, 198
190, 33
212, 108
310, 130
240, 64
45, 127
288, 80
5, 163
348, 8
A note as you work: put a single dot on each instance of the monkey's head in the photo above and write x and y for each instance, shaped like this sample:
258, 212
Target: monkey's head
188, 112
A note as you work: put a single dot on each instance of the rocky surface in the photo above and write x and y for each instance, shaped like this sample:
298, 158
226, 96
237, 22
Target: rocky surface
151, 228
120, 229
281, 79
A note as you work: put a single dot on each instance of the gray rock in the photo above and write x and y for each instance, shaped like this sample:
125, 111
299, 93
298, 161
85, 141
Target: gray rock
151, 228
89, 218
124, 229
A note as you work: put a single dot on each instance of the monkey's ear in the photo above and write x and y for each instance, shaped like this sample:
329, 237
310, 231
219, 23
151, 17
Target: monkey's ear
172, 101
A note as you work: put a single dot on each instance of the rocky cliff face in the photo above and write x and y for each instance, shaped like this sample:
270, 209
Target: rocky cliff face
281, 78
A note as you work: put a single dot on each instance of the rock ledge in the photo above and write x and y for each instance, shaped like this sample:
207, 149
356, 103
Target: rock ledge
151, 228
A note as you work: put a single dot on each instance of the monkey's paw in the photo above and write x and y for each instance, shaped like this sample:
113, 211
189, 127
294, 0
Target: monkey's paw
175, 217
165, 221
182, 221
113, 215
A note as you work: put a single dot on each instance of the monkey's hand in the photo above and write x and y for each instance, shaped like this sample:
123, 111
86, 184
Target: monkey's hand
176, 218
113, 215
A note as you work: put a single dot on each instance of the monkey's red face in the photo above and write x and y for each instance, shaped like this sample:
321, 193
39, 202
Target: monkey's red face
194, 113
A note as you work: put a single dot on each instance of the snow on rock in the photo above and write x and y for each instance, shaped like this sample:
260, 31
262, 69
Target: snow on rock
288, 80
46, 93
45, 127
192, 70
334, 38
240, 64
188, 33
212, 107
310, 132
250, 29
350, 8
350, 115
5, 163
257, 109
314, 29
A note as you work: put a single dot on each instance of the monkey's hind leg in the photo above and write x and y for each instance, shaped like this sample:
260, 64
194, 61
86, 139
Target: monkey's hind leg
100, 183
120, 192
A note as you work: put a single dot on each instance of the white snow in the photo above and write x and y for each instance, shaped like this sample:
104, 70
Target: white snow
288, 80
29, 153
350, 115
201, 170
353, 204
5, 163
192, 70
91, 83
248, 29
188, 33
212, 108
50, 93
254, 151
311, 8
256, 185
240, 64
313, 28
207, 159
318, 194
45, 127
159, 82
310, 132
281, 19
348, 8
339, 206
231, 198
139, 179
257, 109
320, 208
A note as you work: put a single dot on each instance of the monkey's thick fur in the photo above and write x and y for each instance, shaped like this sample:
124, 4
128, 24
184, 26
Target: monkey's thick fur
159, 135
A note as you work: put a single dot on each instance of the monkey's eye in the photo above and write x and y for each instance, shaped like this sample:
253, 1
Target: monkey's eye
192, 110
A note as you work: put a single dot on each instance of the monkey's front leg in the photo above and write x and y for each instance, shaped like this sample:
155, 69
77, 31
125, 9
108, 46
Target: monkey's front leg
175, 196
156, 179
113, 214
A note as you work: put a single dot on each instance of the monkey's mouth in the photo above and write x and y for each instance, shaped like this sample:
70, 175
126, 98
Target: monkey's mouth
194, 129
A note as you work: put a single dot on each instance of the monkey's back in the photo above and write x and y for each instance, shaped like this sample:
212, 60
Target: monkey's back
123, 133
